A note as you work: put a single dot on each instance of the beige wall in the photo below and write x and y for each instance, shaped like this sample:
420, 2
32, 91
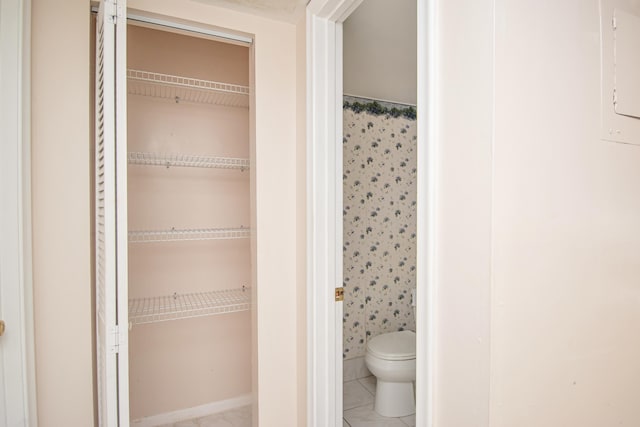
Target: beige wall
61, 176
61, 197
380, 51
463, 180
539, 228
566, 230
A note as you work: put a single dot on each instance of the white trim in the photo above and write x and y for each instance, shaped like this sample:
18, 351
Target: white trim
190, 28
15, 106
27, 260
121, 230
184, 26
321, 370
427, 235
105, 217
324, 220
195, 412
337, 152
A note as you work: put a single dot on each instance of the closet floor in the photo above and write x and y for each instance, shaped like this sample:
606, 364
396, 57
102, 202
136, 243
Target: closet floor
358, 407
240, 417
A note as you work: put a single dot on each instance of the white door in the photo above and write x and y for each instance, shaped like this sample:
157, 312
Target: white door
111, 219
16, 332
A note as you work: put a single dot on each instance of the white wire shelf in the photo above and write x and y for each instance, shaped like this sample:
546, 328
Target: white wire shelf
187, 89
187, 160
184, 306
174, 235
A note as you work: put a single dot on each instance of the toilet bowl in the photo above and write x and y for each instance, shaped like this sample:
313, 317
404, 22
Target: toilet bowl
391, 357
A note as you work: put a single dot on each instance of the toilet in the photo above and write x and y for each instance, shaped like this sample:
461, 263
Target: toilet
391, 357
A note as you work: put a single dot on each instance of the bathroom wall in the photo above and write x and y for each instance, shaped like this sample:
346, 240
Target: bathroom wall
379, 60
379, 202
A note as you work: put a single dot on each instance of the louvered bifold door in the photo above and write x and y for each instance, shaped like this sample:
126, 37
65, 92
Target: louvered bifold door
111, 222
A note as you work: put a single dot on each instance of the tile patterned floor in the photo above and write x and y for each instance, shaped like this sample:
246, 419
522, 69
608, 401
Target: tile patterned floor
358, 411
240, 417
358, 407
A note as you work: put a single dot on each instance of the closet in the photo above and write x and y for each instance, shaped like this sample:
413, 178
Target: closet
189, 260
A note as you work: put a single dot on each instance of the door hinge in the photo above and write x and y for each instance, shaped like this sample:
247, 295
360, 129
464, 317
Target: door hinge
117, 340
339, 294
615, 97
120, 11
614, 24
114, 340
113, 10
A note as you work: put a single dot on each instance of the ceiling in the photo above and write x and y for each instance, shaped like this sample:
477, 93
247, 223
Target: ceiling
282, 10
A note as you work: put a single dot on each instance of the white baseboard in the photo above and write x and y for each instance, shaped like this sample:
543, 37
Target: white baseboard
195, 412
353, 369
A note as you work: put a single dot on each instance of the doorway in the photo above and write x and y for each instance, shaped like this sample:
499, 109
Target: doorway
379, 176
325, 20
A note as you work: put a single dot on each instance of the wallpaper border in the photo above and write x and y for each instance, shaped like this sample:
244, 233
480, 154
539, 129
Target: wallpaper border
378, 108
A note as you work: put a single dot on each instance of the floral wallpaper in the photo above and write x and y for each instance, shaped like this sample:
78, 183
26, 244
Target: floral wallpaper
379, 202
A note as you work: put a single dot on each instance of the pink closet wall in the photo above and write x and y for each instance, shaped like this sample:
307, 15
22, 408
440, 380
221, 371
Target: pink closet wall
186, 363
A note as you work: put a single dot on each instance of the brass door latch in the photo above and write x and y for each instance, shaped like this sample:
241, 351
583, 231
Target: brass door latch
339, 294
2, 327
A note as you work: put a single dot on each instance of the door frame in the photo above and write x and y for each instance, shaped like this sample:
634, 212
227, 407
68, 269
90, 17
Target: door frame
15, 217
324, 213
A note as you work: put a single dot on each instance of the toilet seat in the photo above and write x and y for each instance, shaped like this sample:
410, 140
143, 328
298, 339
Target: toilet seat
399, 345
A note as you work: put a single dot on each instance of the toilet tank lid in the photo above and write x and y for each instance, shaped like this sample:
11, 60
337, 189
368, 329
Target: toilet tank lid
399, 345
